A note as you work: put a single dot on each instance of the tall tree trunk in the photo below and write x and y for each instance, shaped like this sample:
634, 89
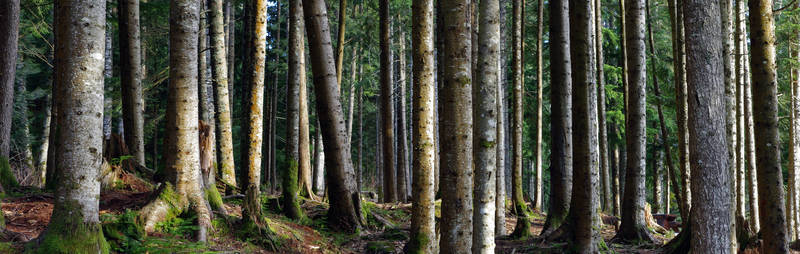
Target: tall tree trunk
206, 90
345, 204
41, 163
522, 229
304, 170
75, 223
352, 95
615, 176
131, 70
537, 198
765, 114
387, 108
340, 43
297, 76
500, 175
731, 120
741, 221
485, 127
230, 42
601, 108
251, 212
221, 90
561, 117
456, 129
423, 224
794, 49
634, 226
679, 65
402, 140
710, 213
182, 155
9, 15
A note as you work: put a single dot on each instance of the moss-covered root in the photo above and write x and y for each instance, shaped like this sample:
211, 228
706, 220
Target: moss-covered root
291, 202
418, 244
523, 228
215, 200
256, 229
69, 233
7, 178
551, 223
167, 205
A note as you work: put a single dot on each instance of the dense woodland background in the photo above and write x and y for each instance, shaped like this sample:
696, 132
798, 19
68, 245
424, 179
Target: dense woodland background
361, 93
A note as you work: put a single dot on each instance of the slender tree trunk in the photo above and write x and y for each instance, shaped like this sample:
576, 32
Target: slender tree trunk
634, 226
345, 204
206, 92
456, 129
221, 90
402, 139
522, 229
485, 127
304, 170
741, 221
423, 224
765, 114
352, 95
41, 164
601, 108
340, 43
75, 223
182, 155
387, 108
731, 120
615, 177
230, 40
794, 48
131, 70
537, 198
500, 168
297, 76
561, 117
678, 64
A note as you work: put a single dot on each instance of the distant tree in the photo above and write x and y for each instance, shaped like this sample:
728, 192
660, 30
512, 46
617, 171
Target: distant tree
387, 108
296, 78
131, 70
522, 229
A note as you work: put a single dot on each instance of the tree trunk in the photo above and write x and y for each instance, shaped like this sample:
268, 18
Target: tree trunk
304, 170
345, 206
633, 225
75, 223
251, 212
710, 214
352, 95
9, 17
456, 129
387, 108
221, 90
297, 76
601, 108
561, 117
230, 38
340, 43
730, 97
765, 114
739, 56
537, 198
485, 127
500, 168
41, 163
131, 70
522, 229
402, 140
679, 65
423, 224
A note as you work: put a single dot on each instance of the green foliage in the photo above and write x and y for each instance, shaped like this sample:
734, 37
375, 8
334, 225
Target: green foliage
123, 233
118, 161
178, 225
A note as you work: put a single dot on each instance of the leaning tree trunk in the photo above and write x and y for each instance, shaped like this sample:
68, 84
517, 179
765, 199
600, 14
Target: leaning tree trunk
456, 129
537, 198
423, 220
387, 108
765, 114
221, 90
561, 117
182, 188
131, 70
296, 78
522, 229
75, 224
345, 206
485, 128
633, 225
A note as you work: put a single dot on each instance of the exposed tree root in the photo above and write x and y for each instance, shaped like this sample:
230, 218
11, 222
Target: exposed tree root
169, 204
635, 235
681, 243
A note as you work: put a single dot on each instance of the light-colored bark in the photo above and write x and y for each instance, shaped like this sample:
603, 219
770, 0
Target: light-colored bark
206, 87
352, 95
304, 143
710, 213
41, 162
561, 117
485, 127
738, 24
455, 97
633, 224
75, 223
296, 80
500, 158
423, 224
131, 78
765, 114
230, 42
345, 204
679, 65
730, 97
221, 96
319, 164
402, 136
340, 43
537, 197
522, 229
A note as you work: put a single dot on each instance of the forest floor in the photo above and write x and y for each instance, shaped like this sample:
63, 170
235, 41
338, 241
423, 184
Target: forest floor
27, 212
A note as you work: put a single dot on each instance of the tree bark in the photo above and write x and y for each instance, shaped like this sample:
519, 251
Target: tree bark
297, 76
561, 117
485, 127
500, 168
131, 70
387, 108
742, 227
402, 139
633, 225
9, 18
601, 108
456, 129
304, 160
522, 229
345, 206
340, 43
679, 66
537, 198
221, 90
731, 98
75, 223
765, 114
230, 39
423, 224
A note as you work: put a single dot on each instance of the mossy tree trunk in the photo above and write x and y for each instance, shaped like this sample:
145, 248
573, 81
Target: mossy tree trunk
561, 117
765, 114
345, 203
75, 224
456, 129
423, 221
297, 76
